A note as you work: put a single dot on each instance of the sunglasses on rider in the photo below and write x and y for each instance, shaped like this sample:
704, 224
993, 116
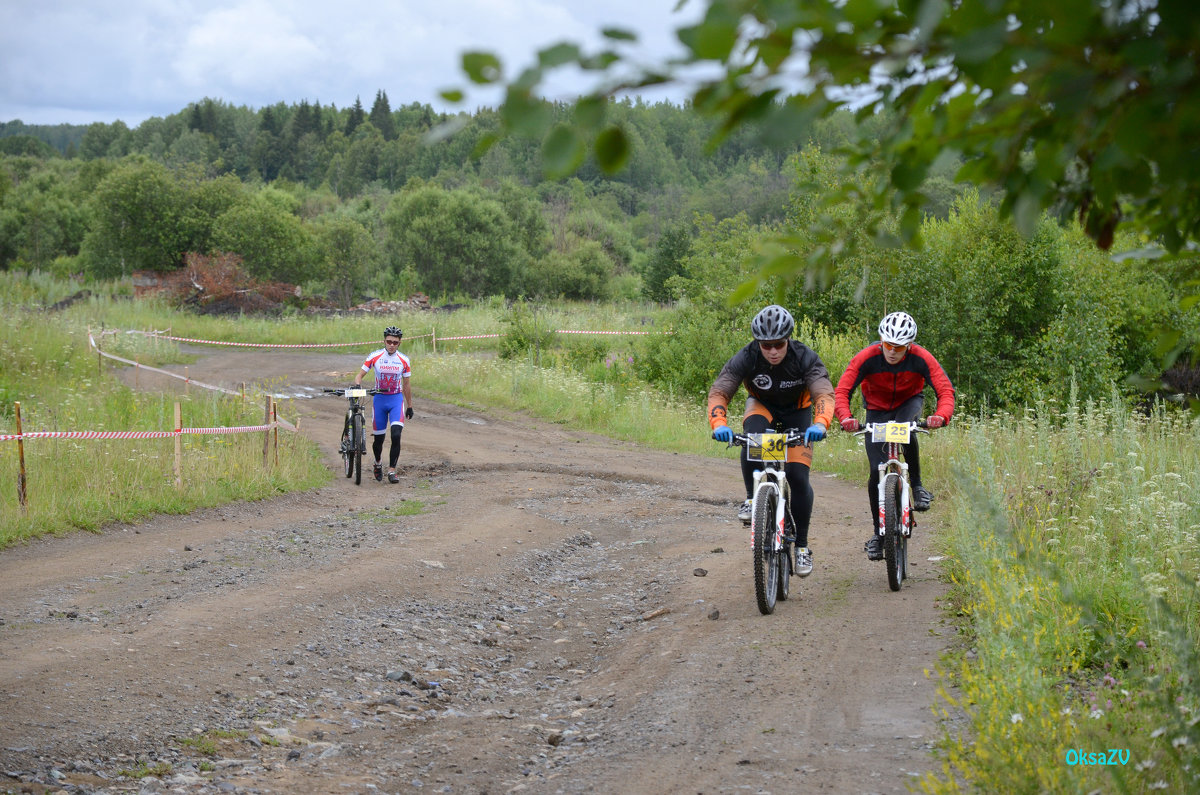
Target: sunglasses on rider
890, 348
772, 345
391, 342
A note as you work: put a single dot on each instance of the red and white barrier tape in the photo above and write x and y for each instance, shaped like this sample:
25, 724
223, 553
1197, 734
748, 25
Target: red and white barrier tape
12, 437
572, 331
256, 344
159, 335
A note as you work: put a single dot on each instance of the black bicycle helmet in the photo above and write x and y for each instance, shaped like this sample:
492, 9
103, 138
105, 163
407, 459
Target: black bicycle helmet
772, 323
392, 331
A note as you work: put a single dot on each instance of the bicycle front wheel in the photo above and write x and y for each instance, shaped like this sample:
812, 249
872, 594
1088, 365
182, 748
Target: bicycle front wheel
766, 568
784, 561
357, 448
895, 545
346, 447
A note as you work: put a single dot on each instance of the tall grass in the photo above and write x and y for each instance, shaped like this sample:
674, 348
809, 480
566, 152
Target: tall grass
47, 366
1074, 559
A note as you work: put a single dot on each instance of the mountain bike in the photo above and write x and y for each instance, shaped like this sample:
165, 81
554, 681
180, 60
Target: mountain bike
353, 443
772, 531
896, 518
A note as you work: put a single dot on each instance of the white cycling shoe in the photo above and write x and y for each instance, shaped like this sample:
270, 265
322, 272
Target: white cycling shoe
803, 561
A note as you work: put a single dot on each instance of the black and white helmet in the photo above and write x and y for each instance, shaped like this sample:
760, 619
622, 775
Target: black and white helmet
772, 323
898, 328
392, 331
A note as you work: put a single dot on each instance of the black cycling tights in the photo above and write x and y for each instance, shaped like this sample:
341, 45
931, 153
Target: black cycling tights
393, 451
906, 412
797, 477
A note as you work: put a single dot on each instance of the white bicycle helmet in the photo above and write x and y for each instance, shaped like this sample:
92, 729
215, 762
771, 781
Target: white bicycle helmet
898, 328
772, 323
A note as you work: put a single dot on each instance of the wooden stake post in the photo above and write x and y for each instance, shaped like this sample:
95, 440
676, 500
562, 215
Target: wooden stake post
178, 447
267, 434
21, 457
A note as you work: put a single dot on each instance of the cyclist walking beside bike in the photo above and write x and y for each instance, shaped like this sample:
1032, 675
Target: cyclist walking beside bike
893, 374
787, 384
392, 403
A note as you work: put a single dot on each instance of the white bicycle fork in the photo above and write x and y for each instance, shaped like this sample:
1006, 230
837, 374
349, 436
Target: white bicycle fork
779, 485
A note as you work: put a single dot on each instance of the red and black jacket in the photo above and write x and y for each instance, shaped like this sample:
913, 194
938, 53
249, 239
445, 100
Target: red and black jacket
886, 386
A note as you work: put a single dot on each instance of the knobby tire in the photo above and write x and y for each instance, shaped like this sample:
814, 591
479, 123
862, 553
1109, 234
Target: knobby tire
895, 546
766, 571
347, 446
356, 454
784, 562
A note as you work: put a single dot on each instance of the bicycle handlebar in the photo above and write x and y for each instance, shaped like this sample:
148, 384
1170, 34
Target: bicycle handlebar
795, 438
342, 392
917, 425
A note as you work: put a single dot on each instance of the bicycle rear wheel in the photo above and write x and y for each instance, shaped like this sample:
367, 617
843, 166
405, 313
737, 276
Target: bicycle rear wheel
357, 448
766, 568
895, 545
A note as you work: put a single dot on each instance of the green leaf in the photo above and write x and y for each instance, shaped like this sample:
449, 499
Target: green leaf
619, 34
452, 95
525, 114
981, 44
909, 173
482, 68
589, 111
485, 142
557, 55
710, 40
599, 62
743, 292
612, 150
1026, 210
562, 151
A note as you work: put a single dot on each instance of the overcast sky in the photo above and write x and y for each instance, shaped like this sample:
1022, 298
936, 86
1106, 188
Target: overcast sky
81, 61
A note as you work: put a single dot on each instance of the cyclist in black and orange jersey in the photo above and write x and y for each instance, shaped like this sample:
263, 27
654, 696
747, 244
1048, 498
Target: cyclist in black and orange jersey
893, 374
788, 387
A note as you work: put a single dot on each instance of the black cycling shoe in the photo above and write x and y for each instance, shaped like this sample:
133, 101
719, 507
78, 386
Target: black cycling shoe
379, 471
393, 477
874, 548
921, 498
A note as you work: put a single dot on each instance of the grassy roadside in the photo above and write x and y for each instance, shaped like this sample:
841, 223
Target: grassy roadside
47, 366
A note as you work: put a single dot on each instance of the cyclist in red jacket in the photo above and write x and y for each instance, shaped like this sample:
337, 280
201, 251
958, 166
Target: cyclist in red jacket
893, 374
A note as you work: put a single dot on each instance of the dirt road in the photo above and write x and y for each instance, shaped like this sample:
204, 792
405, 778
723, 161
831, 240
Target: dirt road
531, 609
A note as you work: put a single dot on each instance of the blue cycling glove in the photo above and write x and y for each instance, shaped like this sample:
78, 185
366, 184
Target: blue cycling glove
723, 434
815, 433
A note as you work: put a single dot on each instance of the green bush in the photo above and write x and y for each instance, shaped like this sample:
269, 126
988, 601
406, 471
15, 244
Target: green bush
525, 333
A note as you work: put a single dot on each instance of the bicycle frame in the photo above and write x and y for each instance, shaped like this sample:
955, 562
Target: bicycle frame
894, 436
356, 408
771, 451
894, 463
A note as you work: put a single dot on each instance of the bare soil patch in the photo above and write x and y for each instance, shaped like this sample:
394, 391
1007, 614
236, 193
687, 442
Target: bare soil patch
523, 612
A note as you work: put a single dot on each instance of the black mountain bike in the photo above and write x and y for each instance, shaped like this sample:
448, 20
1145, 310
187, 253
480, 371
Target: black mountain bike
353, 444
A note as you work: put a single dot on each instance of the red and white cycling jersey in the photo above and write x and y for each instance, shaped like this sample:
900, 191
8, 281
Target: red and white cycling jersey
389, 369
